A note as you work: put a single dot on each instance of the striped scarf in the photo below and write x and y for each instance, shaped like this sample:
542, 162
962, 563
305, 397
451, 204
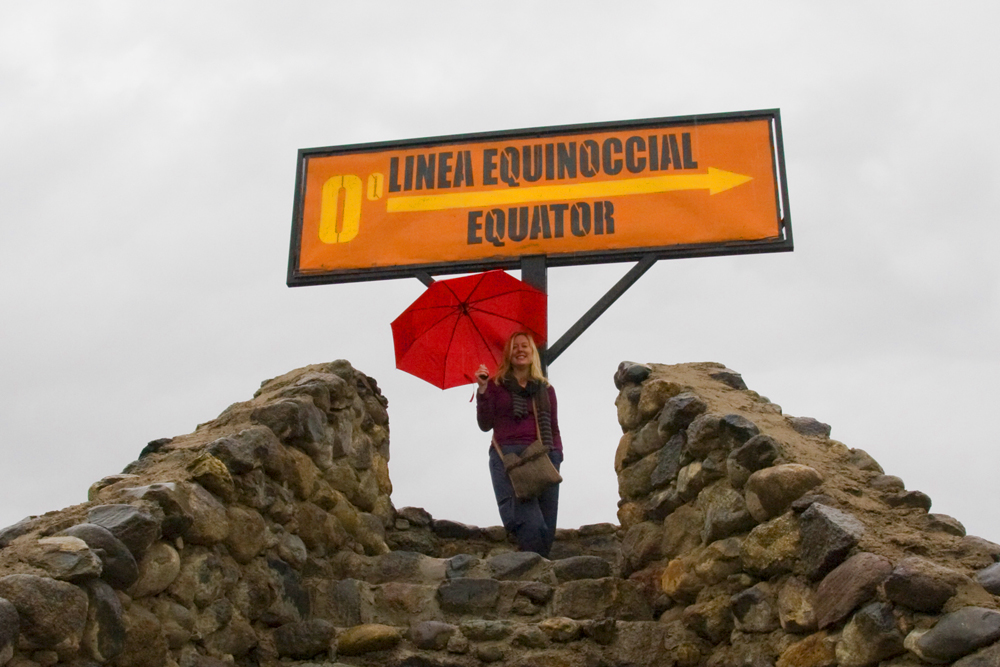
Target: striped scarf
537, 392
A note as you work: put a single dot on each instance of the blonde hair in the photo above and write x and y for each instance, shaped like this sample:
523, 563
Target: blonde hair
534, 371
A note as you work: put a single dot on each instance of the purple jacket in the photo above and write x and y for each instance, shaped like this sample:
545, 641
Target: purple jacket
495, 410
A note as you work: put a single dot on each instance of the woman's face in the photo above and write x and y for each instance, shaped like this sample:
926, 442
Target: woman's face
520, 352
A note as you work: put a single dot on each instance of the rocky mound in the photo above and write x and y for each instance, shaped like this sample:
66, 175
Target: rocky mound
268, 537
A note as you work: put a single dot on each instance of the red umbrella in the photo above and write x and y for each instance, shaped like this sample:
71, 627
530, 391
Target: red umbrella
460, 323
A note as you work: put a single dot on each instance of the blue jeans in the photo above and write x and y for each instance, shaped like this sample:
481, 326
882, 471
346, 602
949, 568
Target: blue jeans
532, 522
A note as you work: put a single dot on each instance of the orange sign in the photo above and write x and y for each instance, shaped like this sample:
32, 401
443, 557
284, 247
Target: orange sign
697, 185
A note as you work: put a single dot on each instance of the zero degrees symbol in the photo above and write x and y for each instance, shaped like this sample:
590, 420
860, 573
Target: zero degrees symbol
340, 206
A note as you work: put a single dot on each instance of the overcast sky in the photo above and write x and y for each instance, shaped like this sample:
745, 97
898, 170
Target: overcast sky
147, 165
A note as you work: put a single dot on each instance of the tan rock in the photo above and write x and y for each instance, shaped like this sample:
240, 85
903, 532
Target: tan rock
818, 650
366, 638
64, 557
655, 393
680, 582
302, 473
772, 548
771, 491
157, 570
561, 629
381, 468
624, 455
628, 410
630, 513
796, 607
682, 530
145, 643
213, 474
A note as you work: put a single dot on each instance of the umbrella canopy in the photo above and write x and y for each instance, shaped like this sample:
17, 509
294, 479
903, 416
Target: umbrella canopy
460, 323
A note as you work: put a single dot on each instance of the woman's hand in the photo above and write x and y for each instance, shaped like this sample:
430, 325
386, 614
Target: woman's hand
482, 377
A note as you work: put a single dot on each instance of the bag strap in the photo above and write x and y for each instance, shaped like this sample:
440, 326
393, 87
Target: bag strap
538, 430
497, 447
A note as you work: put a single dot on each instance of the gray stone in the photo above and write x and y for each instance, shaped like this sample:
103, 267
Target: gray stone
200, 578
10, 627
869, 637
943, 523
581, 567
177, 621
248, 534
631, 373
157, 570
64, 557
770, 492
304, 639
118, 565
635, 481
691, 479
887, 483
602, 631
145, 643
479, 630
297, 422
989, 578
647, 440
735, 430
431, 635
662, 503
956, 634
52, 613
828, 535
459, 565
920, 585
14, 531
189, 510
711, 619
539, 593
851, 583
725, 513
809, 426
469, 596
453, 530
755, 609
586, 598
760, 451
529, 637
104, 633
914, 499
728, 377
398, 566
678, 413
668, 461
988, 657
862, 460
513, 564
489, 653
642, 544
135, 528
703, 436
343, 602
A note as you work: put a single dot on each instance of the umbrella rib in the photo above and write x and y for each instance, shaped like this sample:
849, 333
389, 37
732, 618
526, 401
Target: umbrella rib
503, 317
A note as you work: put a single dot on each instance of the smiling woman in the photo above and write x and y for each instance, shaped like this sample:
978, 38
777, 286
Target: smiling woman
520, 407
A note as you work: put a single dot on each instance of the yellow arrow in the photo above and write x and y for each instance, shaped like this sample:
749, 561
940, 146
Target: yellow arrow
715, 181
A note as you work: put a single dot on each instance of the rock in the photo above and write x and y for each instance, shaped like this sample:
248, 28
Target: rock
118, 565
678, 413
213, 474
52, 613
177, 621
624, 454
561, 630
736, 430
459, 565
66, 558
862, 460
658, 507
773, 547
190, 511
796, 607
887, 483
712, 619
828, 535
988, 657
703, 435
489, 653
725, 513
655, 393
989, 578
870, 637
921, 585
809, 426
955, 635
248, 534
668, 461
536, 591
770, 492
635, 481
157, 570
135, 528
104, 633
200, 579
915, 499
10, 627
363, 639
343, 602
728, 377
630, 372
971, 543
586, 598
627, 403
14, 531
513, 564
646, 441
236, 638
755, 609
602, 631
468, 596
691, 479
641, 545
944, 524
453, 530
529, 637
478, 630
581, 567
304, 639
760, 451
145, 643
848, 585
296, 422
818, 650
431, 635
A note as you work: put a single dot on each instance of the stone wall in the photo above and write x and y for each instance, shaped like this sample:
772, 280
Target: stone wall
764, 542
268, 537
